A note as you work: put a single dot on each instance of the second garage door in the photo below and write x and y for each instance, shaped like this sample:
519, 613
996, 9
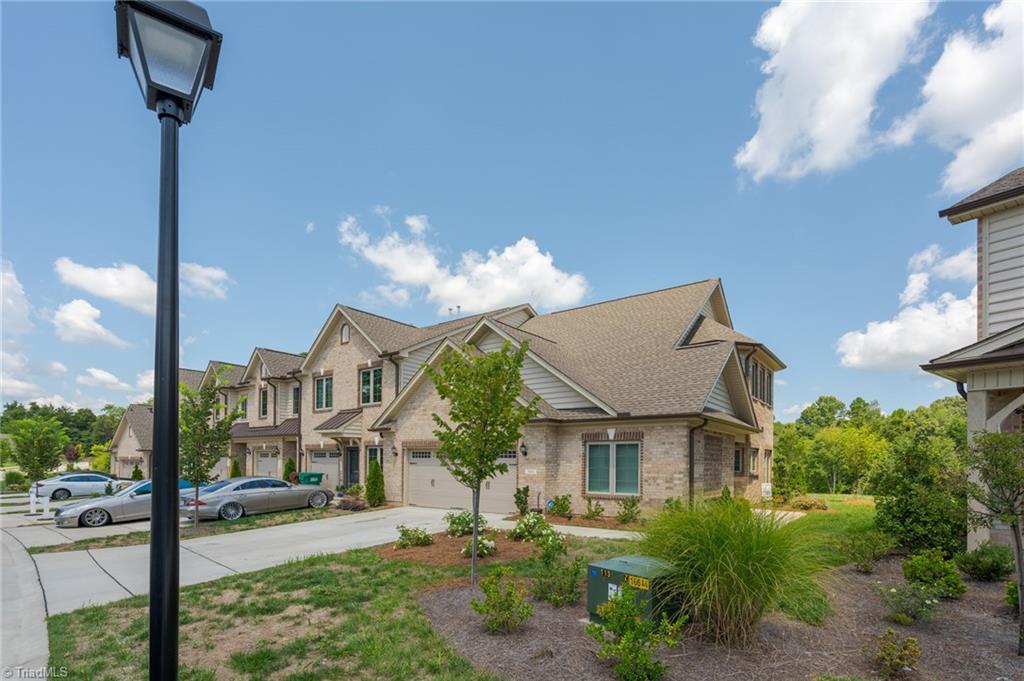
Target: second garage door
430, 484
266, 464
327, 463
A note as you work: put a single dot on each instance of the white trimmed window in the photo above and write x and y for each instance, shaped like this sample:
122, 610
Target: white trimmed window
753, 460
296, 399
613, 468
374, 454
323, 389
371, 383
264, 399
737, 460
345, 333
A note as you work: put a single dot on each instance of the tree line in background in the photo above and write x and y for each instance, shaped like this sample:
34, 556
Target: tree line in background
913, 461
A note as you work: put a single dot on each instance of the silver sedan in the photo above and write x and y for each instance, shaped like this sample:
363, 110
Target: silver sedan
231, 499
131, 503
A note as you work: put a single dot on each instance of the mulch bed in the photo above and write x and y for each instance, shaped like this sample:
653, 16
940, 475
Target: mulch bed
448, 551
603, 522
973, 638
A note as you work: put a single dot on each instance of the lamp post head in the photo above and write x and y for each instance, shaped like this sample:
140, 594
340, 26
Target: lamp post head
173, 49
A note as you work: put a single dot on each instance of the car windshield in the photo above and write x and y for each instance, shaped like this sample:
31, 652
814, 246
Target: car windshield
215, 486
142, 487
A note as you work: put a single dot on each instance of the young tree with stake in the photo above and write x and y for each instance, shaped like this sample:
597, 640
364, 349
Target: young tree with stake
485, 414
203, 437
996, 488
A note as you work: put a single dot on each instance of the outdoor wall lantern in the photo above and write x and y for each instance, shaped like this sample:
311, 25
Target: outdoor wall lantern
174, 51
394, 450
522, 448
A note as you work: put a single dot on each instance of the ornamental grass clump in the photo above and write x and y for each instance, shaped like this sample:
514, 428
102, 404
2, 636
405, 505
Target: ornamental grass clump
729, 565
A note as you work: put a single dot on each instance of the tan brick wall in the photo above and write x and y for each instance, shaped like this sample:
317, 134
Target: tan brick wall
749, 484
413, 429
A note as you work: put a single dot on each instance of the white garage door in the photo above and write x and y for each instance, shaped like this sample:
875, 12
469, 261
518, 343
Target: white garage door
327, 463
430, 484
266, 464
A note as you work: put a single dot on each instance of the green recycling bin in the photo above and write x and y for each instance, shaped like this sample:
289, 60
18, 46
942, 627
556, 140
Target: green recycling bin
310, 478
606, 578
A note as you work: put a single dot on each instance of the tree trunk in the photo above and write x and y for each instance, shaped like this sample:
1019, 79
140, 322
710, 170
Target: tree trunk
476, 533
1018, 550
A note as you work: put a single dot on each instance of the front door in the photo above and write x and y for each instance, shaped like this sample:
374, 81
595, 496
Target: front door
352, 466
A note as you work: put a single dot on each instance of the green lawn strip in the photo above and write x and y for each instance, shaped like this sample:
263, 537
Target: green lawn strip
847, 516
342, 616
206, 529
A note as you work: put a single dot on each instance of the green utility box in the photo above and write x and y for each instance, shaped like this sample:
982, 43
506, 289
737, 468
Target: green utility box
605, 580
310, 478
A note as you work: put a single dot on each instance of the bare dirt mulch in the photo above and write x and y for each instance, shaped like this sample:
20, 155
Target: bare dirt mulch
448, 551
973, 638
603, 522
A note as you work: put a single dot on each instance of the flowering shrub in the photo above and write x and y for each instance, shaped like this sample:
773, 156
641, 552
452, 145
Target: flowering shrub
485, 546
412, 536
461, 524
909, 603
504, 605
530, 527
897, 655
929, 567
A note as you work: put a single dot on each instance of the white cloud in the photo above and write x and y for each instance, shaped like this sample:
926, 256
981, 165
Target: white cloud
938, 384
78, 322
916, 288
517, 273
123, 283
417, 224
204, 281
390, 293
973, 101
16, 310
189, 340
144, 380
963, 265
56, 368
826, 63
310, 226
54, 400
101, 378
795, 409
780, 381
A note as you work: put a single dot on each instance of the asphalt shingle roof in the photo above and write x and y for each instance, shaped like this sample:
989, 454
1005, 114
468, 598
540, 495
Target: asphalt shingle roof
288, 427
280, 363
191, 377
140, 419
230, 372
391, 335
1007, 186
339, 419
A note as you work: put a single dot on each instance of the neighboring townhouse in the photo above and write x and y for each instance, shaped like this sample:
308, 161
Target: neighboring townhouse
132, 443
268, 431
653, 395
989, 373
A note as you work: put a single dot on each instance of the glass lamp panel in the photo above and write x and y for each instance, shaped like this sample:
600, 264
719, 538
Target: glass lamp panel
627, 469
598, 468
133, 51
172, 55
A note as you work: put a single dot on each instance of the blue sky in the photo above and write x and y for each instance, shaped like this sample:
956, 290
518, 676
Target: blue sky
356, 153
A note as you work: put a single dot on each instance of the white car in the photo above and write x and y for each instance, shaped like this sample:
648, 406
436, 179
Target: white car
67, 485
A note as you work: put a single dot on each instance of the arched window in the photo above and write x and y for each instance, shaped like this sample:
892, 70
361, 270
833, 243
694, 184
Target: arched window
344, 333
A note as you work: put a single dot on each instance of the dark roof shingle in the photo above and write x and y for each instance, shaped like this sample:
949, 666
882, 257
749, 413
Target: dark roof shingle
288, 427
140, 419
1007, 186
191, 377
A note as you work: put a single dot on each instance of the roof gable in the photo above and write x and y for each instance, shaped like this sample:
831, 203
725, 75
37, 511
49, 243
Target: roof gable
279, 364
1008, 190
230, 372
729, 392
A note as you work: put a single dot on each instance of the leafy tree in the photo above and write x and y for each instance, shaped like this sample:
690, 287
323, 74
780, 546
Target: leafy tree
864, 414
105, 424
842, 458
789, 462
203, 439
71, 455
236, 470
289, 469
100, 454
38, 445
483, 391
6, 451
375, 484
823, 412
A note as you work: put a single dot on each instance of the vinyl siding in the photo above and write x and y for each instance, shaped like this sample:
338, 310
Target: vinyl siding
719, 399
708, 310
1004, 271
552, 389
516, 318
411, 364
996, 379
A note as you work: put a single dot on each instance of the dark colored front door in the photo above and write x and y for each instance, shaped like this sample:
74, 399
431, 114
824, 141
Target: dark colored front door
352, 466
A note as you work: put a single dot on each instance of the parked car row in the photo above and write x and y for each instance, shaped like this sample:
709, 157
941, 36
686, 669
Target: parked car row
224, 500
76, 484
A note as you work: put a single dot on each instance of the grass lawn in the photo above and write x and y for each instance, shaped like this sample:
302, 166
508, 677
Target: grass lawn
351, 615
205, 529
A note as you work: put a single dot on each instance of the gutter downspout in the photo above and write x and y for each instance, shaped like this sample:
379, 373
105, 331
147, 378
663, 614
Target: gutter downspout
298, 439
960, 388
692, 458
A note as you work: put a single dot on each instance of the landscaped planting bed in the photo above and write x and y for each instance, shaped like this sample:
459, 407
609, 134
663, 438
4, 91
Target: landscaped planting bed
970, 638
447, 551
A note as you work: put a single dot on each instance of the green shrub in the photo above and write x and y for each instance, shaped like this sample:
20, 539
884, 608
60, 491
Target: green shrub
485, 546
559, 580
561, 506
807, 503
412, 536
730, 565
929, 567
631, 640
673, 504
236, 470
109, 489
864, 549
355, 491
14, 478
289, 469
504, 605
137, 473
375, 484
629, 510
522, 499
460, 523
987, 563
897, 656
530, 527
1012, 597
909, 603
595, 509
100, 458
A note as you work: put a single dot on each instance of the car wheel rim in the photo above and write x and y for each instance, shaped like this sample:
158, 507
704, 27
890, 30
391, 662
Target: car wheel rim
61, 494
318, 500
95, 518
231, 512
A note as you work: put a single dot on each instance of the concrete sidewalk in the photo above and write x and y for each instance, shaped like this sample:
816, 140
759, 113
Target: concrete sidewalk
23, 636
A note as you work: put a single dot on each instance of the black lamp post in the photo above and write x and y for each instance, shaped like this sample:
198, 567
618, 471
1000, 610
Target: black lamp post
174, 51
